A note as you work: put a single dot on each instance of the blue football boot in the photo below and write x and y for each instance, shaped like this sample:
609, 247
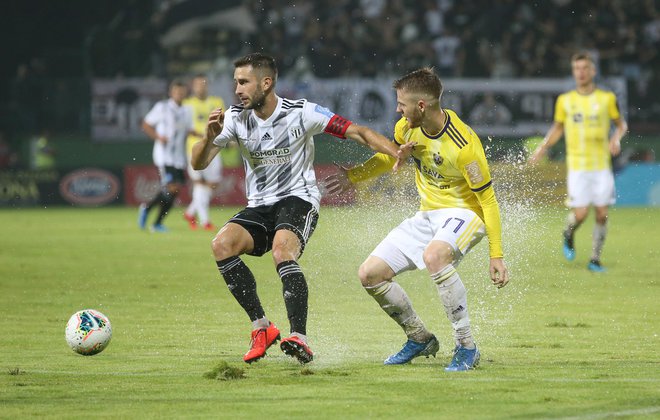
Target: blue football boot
159, 229
569, 247
464, 359
595, 267
412, 349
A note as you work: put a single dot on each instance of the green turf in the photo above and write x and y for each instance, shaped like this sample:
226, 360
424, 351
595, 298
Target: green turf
557, 342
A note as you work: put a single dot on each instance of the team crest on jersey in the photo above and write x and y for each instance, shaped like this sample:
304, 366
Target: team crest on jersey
578, 118
438, 159
474, 172
295, 132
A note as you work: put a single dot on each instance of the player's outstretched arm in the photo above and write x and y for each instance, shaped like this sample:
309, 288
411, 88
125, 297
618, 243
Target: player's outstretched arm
372, 139
204, 150
498, 272
551, 138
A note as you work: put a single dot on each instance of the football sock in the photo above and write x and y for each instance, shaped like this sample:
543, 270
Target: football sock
260, 323
242, 285
192, 208
205, 193
294, 289
600, 231
454, 298
165, 206
158, 198
302, 337
571, 225
395, 302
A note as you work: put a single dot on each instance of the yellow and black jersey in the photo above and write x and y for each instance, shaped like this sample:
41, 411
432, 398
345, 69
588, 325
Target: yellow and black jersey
451, 172
587, 120
201, 108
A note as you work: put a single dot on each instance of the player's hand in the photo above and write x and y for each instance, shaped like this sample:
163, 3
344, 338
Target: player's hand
498, 272
536, 157
615, 147
161, 139
215, 124
404, 152
338, 182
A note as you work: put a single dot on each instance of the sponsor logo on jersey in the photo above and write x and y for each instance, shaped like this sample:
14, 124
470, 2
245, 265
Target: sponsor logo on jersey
474, 172
266, 137
431, 172
271, 156
324, 111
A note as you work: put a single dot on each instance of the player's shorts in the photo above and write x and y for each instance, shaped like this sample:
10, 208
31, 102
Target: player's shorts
211, 174
262, 222
590, 188
403, 248
171, 175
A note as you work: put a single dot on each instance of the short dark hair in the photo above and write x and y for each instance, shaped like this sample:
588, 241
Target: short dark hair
178, 83
259, 61
423, 80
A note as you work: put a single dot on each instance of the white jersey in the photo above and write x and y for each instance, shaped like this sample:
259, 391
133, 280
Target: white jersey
173, 122
278, 153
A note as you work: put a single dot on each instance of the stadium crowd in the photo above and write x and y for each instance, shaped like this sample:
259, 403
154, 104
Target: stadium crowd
366, 38
503, 39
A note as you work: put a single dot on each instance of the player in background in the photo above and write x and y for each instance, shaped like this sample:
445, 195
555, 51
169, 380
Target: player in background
168, 124
275, 136
458, 207
205, 181
585, 115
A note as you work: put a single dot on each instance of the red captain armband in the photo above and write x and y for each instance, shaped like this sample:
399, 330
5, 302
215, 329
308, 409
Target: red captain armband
337, 126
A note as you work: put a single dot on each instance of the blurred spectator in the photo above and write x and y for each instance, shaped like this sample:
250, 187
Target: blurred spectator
490, 112
42, 154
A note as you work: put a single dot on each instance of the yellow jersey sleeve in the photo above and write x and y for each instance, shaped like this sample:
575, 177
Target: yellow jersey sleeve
379, 163
474, 167
560, 110
613, 107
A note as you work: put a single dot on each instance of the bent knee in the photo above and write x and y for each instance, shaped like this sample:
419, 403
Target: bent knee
224, 247
437, 256
371, 276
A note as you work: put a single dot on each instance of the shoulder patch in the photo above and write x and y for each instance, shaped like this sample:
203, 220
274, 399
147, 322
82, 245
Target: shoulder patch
474, 172
324, 111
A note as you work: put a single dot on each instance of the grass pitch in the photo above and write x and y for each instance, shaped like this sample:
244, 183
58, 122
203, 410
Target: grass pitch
558, 342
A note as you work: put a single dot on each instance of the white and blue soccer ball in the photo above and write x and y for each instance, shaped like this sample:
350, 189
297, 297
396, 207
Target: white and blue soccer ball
88, 332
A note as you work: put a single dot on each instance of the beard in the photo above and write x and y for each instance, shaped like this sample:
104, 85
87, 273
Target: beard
258, 100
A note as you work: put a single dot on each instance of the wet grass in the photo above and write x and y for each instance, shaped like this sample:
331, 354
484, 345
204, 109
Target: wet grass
559, 341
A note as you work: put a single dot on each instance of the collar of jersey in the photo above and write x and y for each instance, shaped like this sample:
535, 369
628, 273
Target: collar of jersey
276, 111
437, 136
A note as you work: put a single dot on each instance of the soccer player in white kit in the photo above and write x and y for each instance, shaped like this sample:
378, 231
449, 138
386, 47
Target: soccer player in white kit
275, 136
586, 114
168, 124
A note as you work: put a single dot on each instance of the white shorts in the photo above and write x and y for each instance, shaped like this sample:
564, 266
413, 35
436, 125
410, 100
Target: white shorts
403, 248
590, 188
211, 174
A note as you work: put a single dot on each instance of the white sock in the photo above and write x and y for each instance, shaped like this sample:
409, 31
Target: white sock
196, 198
395, 302
600, 231
203, 205
260, 323
454, 298
302, 337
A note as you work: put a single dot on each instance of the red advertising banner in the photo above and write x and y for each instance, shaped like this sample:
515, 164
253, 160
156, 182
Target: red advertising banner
141, 183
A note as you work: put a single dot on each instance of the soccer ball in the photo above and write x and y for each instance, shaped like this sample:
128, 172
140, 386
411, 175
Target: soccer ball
88, 332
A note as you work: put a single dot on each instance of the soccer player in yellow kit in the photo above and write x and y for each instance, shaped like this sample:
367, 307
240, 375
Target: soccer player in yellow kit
585, 114
206, 180
458, 207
